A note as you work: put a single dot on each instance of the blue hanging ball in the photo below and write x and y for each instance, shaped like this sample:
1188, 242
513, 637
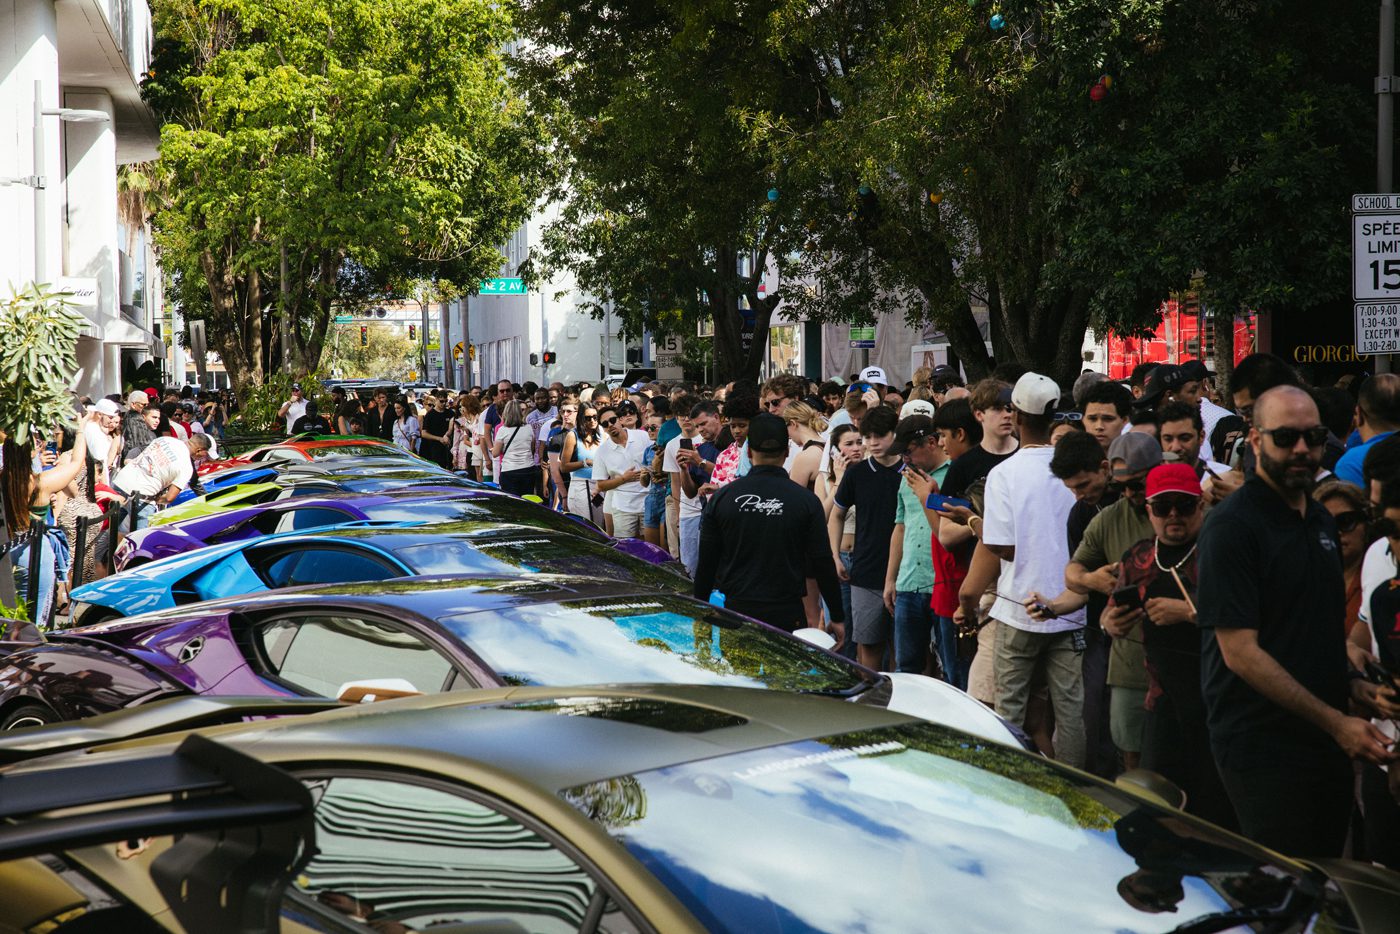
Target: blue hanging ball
997, 21
864, 190
772, 194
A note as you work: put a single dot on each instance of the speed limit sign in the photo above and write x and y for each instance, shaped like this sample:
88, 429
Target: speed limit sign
1375, 241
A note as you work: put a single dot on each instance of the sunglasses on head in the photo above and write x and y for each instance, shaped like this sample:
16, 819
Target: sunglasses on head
1183, 506
1315, 436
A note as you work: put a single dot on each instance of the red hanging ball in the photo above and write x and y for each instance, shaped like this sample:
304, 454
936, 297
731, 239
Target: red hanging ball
1097, 93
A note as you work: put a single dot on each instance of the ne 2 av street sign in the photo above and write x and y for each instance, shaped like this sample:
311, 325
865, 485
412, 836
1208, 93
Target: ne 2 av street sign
1375, 278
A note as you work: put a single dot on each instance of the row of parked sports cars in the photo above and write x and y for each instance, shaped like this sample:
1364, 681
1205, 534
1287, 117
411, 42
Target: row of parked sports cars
561, 739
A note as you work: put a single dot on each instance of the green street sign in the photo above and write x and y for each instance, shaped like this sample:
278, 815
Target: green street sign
502, 287
344, 319
863, 338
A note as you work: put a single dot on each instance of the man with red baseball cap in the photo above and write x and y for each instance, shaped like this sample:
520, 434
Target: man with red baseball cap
1155, 601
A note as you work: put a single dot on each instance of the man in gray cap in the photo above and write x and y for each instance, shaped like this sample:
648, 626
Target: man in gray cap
1094, 566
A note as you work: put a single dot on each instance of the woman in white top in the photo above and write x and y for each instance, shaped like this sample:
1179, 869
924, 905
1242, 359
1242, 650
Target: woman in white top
576, 459
515, 446
406, 430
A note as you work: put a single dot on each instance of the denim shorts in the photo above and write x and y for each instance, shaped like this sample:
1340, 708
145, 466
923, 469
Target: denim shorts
654, 510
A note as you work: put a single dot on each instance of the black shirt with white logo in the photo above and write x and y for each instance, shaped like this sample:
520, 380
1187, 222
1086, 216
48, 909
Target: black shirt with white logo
1264, 566
873, 492
760, 538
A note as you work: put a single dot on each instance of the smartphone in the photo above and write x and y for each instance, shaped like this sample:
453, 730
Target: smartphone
51, 447
1378, 674
687, 444
939, 501
1128, 597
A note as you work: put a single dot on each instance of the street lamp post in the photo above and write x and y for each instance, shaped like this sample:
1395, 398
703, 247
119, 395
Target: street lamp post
38, 180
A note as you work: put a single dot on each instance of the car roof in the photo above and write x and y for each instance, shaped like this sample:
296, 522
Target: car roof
404, 534
551, 737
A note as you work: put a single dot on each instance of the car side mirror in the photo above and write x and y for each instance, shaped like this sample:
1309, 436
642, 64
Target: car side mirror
822, 640
368, 690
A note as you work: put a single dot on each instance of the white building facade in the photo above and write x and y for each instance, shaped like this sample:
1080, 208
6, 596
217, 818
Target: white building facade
82, 62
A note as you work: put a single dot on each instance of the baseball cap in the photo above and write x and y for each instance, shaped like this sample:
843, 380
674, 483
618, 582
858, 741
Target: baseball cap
909, 429
916, 407
137, 397
296, 387
1172, 478
107, 407
873, 374
1193, 371
1137, 450
1035, 394
768, 434
152, 393
1163, 379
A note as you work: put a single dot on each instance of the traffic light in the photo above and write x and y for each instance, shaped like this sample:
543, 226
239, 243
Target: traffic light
534, 359
412, 332
364, 336
550, 357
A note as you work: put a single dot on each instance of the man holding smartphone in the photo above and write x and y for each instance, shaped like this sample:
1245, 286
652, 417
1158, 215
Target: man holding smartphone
909, 576
690, 459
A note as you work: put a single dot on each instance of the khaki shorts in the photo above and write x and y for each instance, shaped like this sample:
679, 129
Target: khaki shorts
1127, 718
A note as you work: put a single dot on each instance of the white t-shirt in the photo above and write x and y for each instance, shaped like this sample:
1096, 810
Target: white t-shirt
164, 462
613, 460
99, 443
294, 412
517, 447
690, 506
1377, 568
1211, 414
1026, 506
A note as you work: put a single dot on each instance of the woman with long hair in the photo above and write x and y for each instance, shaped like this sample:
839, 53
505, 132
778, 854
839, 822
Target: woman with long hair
847, 450
436, 445
406, 430
515, 447
576, 460
805, 428
28, 493
554, 448
464, 430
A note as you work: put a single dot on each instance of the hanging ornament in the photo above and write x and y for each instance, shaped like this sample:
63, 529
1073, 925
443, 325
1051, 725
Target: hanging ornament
864, 191
934, 197
772, 194
997, 22
1106, 81
1097, 93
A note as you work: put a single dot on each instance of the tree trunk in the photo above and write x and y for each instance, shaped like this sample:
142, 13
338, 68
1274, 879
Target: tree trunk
1223, 323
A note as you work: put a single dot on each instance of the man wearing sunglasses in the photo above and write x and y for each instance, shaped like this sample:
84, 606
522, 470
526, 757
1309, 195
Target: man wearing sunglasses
1274, 663
617, 467
1155, 602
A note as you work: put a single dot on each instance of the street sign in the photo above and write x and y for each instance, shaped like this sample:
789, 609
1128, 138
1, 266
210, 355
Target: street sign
502, 287
457, 350
344, 319
435, 359
666, 357
1377, 327
863, 337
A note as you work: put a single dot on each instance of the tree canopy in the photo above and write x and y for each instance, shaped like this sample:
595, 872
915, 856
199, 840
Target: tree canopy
356, 144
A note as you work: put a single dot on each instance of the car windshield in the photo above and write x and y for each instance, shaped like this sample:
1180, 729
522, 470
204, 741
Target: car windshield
532, 551
394, 481
634, 639
897, 826
330, 451
494, 509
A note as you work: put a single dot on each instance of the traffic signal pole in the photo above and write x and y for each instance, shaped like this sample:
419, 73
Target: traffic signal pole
1385, 121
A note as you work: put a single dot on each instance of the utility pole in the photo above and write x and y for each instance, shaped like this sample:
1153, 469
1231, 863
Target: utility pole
1385, 121
284, 315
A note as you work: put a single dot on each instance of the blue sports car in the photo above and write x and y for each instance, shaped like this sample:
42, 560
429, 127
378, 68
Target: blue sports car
360, 552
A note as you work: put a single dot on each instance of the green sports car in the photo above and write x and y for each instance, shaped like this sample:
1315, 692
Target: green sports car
614, 809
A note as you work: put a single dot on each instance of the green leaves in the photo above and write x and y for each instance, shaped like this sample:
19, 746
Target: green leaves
38, 360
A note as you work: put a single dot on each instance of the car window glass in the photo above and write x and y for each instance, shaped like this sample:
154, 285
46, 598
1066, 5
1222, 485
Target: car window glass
536, 551
492, 509
321, 566
318, 654
311, 517
659, 639
402, 857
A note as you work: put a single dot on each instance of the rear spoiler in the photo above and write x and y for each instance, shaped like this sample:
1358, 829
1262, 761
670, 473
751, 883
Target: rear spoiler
243, 828
160, 716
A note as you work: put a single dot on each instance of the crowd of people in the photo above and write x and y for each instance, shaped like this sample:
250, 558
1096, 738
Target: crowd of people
1139, 574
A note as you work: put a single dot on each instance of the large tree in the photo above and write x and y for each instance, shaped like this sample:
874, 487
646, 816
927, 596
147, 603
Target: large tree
315, 153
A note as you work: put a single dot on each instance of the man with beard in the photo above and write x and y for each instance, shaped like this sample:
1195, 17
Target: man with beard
1271, 601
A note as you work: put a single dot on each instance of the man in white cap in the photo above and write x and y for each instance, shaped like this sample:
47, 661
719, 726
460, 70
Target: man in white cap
876, 377
102, 435
1024, 525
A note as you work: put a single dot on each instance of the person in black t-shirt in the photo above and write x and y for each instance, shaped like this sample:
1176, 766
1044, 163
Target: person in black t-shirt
312, 420
991, 405
872, 489
1271, 601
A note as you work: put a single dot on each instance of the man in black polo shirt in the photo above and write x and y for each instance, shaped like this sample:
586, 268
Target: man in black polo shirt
761, 536
1274, 667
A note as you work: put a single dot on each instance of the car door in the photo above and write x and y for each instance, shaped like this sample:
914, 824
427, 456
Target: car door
397, 854
316, 654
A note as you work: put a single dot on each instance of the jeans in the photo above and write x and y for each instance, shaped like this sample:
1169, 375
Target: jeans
1018, 653
913, 630
42, 608
849, 648
955, 669
690, 543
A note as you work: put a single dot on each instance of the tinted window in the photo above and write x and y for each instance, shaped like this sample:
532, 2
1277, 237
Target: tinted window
318, 654
533, 551
917, 823
408, 858
312, 565
496, 509
311, 517
329, 451
630, 640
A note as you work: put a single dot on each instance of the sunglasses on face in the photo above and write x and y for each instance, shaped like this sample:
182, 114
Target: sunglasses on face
609, 422
1315, 436
653, 428
1068, 416
1183, 506
774, 403
1137, 485
590, 415
1349, 520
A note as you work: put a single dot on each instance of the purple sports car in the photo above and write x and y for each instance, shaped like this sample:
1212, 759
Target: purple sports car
431, 505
